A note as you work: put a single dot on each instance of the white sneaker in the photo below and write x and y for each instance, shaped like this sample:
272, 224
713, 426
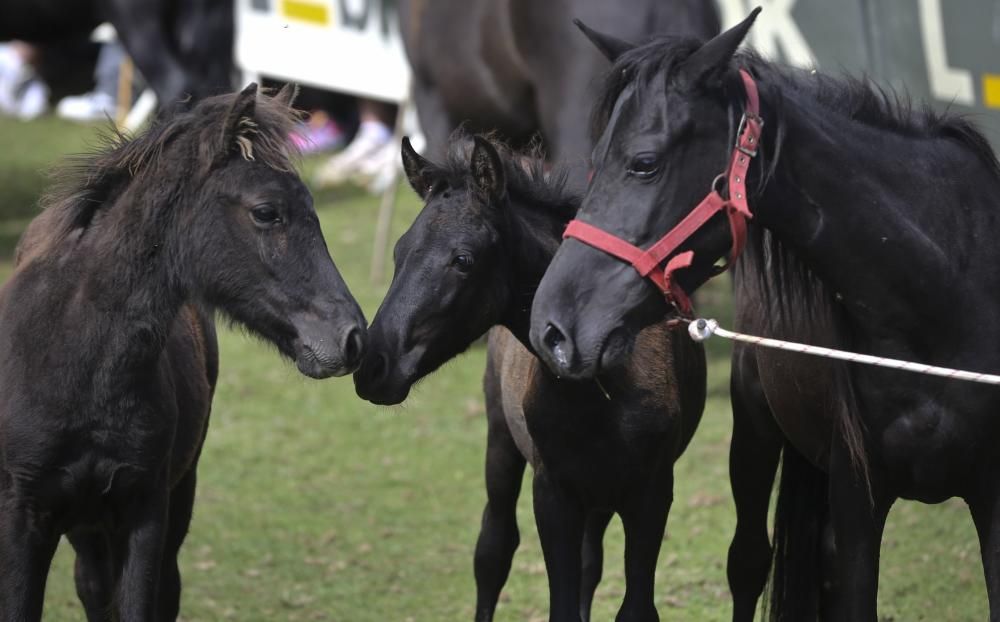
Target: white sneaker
87, 107
34, 100
376, 172
371, 137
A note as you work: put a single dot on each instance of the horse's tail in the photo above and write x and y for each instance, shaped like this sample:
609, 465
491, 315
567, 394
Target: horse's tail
799, 519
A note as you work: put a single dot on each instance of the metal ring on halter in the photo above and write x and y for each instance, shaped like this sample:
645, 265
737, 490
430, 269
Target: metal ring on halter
715, 183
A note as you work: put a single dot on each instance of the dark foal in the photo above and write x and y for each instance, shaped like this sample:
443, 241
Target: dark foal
109, 360
874, 230
471, 261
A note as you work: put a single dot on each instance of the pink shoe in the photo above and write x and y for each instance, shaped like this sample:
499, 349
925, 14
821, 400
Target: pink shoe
318, 134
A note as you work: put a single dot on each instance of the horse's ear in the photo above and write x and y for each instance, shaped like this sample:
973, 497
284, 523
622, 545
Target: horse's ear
239, 121
487, 170
417, 169
287, 94
611, 47
711, 60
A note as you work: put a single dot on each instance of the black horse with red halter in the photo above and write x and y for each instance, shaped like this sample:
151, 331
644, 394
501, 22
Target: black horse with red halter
647, 262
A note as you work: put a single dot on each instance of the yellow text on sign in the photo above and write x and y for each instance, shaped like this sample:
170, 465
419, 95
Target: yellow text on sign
306, 11
991, 90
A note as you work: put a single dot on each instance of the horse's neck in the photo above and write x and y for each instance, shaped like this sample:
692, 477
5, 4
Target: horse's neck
125, 297
871, 212
533, 240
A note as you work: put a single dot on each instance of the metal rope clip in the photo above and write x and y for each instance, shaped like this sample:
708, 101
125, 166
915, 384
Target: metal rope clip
702, 329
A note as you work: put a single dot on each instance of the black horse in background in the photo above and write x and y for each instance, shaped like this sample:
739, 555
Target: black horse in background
183, 48
108, 357
874, 230
471, 261
519, 68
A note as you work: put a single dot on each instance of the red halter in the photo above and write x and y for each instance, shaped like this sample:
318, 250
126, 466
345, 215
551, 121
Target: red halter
647, 262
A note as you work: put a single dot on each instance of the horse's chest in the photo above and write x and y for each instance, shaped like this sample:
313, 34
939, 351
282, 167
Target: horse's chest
604, 450
74, 468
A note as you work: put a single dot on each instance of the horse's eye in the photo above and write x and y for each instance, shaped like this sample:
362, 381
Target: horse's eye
265, 216
644, 165
463, 262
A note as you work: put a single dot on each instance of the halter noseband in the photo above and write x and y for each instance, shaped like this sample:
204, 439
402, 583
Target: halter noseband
647, 262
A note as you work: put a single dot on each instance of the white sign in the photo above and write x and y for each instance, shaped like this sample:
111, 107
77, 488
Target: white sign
352, 46
774, 29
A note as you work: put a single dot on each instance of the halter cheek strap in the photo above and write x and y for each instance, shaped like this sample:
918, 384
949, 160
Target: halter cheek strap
647, 262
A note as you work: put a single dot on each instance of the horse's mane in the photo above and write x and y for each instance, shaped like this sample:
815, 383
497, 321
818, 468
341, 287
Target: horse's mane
859, 99
88, 182
529, 180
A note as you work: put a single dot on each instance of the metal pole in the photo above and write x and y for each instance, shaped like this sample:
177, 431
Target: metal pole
387, 206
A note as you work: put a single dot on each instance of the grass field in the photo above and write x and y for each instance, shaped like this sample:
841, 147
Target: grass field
315, 505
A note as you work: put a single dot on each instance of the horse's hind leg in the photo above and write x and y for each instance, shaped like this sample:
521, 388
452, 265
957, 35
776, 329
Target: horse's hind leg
593, 558
498, 535
754, 452
985, 509
94, 574
858, 513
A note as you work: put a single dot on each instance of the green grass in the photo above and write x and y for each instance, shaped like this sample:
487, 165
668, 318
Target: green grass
315, 505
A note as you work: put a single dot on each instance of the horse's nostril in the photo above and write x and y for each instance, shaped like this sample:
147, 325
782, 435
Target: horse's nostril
354, 346
558, 345
553, 337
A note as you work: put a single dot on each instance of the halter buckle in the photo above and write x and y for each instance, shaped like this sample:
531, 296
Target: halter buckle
743, 126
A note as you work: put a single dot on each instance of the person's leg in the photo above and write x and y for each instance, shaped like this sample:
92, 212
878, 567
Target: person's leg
369, 152
109, 61
101, 103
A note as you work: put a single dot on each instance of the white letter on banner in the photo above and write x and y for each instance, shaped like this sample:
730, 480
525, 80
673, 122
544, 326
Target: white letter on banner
947, 83
774, 28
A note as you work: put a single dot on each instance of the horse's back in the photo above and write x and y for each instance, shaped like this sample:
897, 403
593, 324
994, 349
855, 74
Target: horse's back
521, 68
464, 51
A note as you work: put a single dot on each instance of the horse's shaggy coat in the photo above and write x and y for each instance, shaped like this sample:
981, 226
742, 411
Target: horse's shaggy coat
108, 356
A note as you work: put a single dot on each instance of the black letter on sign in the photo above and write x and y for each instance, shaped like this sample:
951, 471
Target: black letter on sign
390, 9
358, 21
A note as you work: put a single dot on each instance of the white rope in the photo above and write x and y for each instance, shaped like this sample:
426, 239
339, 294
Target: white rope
701, 329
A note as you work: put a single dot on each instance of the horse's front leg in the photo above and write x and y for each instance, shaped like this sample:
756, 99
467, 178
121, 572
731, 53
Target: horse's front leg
141, 537
644, 522
27, 544
592, 558
858, 509
560, 521
754, 452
